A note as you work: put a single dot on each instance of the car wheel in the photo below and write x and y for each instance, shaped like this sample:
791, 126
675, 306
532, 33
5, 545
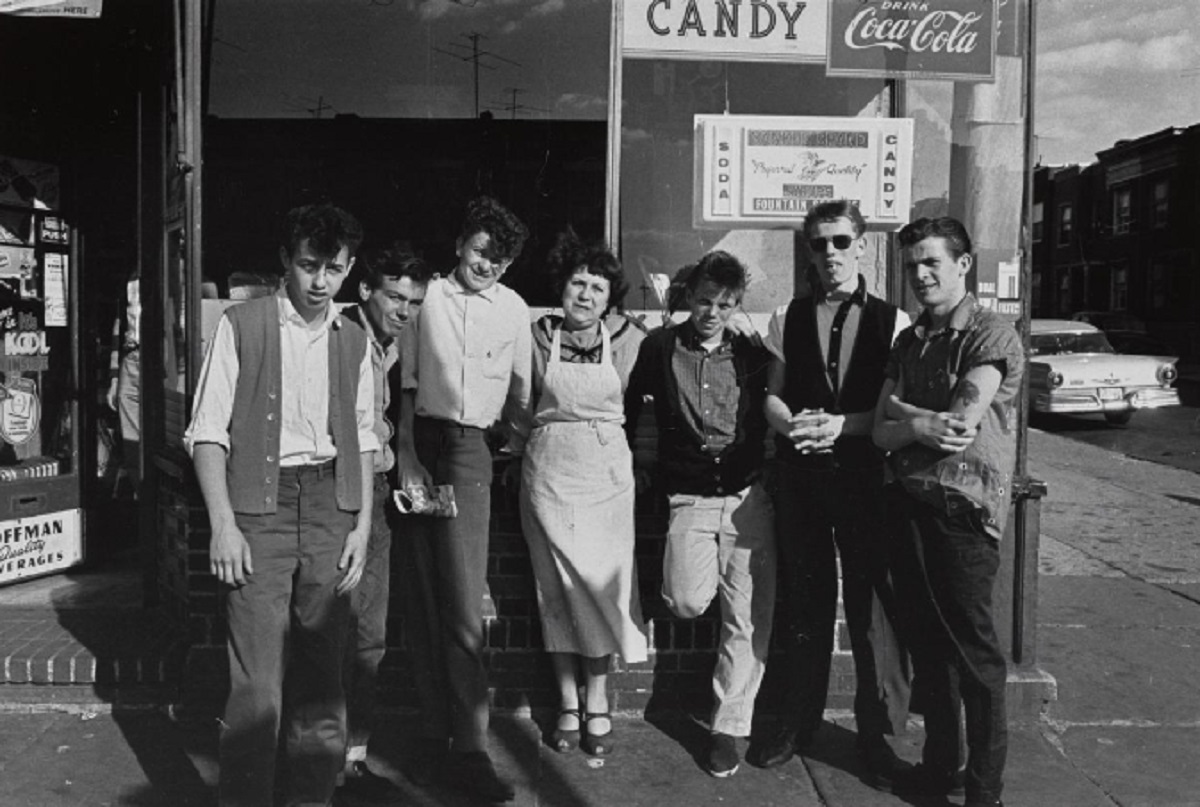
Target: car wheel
1118, 418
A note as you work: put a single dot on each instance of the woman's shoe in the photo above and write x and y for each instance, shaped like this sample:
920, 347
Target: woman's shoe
565, 740
598, 745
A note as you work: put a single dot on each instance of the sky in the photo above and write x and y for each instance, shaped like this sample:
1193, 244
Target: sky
1113, 69
1106, 69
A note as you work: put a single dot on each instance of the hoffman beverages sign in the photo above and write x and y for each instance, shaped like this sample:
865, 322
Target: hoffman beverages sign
769, 171
929, 39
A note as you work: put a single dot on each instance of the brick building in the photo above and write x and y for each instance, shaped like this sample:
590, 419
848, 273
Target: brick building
1119, 234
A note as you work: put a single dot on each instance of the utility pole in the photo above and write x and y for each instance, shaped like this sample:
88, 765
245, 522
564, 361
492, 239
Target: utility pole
319, 110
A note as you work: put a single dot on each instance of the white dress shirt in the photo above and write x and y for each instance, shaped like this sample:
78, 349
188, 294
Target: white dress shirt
304, 354
468, 353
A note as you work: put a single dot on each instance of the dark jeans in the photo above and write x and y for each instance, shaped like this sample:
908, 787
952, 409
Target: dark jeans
945, 568
287, 620
368, 620
444, 578
822, 514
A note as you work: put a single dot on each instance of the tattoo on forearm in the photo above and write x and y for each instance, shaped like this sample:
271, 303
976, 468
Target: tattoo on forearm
968, 393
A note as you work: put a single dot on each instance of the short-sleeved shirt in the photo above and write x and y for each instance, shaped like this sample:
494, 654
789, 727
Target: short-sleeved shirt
927, 366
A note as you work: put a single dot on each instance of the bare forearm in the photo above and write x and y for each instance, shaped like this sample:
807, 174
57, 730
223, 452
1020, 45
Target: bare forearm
209, 461
779, 416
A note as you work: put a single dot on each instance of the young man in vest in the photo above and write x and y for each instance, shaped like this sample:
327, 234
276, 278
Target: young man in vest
391, 288
829, 350
708, 386
947, 412
465, 362
283, 443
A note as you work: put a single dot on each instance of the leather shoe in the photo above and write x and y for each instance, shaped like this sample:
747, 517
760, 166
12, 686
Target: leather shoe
778, 747
925, 780
364, 785
473, 772
883, 766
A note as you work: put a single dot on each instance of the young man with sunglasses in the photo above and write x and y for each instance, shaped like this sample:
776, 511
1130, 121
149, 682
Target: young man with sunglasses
830, 347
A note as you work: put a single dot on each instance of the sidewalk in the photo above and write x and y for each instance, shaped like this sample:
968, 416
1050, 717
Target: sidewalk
145, 759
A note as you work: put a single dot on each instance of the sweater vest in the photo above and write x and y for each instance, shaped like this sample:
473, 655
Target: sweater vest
806, 382
252, 468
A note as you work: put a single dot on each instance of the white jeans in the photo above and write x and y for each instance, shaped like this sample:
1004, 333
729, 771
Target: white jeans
726, 544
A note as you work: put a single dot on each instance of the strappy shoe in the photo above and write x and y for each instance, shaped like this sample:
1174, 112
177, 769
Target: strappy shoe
565, 740
598, 745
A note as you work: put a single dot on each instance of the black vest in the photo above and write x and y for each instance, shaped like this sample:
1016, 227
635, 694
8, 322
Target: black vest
806, 383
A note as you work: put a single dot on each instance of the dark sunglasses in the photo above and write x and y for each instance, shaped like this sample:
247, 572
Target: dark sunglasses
840, 242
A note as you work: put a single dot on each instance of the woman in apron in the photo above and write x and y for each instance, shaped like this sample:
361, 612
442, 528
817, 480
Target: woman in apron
577, 491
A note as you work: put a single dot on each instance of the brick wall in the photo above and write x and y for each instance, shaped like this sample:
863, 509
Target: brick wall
677, 673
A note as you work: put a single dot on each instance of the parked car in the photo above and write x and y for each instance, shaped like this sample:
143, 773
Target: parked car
1074, 369
1111, 320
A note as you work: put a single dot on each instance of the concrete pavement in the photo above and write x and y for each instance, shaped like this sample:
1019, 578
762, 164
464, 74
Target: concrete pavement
1119, 628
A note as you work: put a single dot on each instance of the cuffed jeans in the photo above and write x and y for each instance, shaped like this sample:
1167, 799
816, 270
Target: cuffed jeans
287, 619
726, 545
368, 621
822, 514
945, 570
445, 577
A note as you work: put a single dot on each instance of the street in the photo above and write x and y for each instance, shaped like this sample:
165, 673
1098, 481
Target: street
1170, 436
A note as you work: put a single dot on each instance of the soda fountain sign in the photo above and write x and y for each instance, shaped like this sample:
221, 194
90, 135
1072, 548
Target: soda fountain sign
930, 39
769, 171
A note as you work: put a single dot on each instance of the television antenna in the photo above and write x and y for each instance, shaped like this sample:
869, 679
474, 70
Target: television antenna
478, 58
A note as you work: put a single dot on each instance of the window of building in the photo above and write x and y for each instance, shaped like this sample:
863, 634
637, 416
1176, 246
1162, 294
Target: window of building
1065, 224
1162, 210
1160, 284
1038, 214
1064, 294
1120, 288
1122, 209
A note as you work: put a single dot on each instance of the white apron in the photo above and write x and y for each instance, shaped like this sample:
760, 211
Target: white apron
577, 511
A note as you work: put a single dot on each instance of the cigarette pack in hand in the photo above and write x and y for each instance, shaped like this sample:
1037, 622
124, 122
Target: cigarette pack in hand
420, 500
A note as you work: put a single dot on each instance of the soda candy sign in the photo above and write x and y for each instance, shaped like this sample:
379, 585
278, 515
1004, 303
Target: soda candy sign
932, 39
762, 171
727, 30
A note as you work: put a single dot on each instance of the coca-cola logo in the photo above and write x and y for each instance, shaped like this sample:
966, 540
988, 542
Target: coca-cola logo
954, 39
937, 31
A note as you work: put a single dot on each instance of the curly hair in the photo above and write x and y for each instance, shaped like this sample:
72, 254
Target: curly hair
947, 228
571, 254
507, 233
326, 227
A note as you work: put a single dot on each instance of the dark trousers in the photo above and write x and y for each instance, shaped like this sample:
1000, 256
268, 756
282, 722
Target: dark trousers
444, 580
368, 620
945, 569
822, 514
288, 621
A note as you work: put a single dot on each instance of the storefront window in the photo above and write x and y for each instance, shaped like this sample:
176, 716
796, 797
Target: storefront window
37, 365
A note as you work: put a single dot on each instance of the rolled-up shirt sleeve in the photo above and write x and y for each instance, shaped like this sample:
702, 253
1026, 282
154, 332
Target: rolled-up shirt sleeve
774, 340
213, 407
364, 405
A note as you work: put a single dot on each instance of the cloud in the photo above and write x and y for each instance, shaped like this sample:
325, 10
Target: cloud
436, 9
581, 102
1171, 53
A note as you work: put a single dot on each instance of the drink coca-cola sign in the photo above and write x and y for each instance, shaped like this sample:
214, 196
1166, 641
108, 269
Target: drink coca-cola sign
945, 39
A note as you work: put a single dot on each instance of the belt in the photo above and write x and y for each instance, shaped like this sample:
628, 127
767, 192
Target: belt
444, 425
319, 469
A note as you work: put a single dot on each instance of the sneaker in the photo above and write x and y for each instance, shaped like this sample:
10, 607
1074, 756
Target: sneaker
883, 766
777, 748
472, 772
364, 785
925, 780
722, 755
